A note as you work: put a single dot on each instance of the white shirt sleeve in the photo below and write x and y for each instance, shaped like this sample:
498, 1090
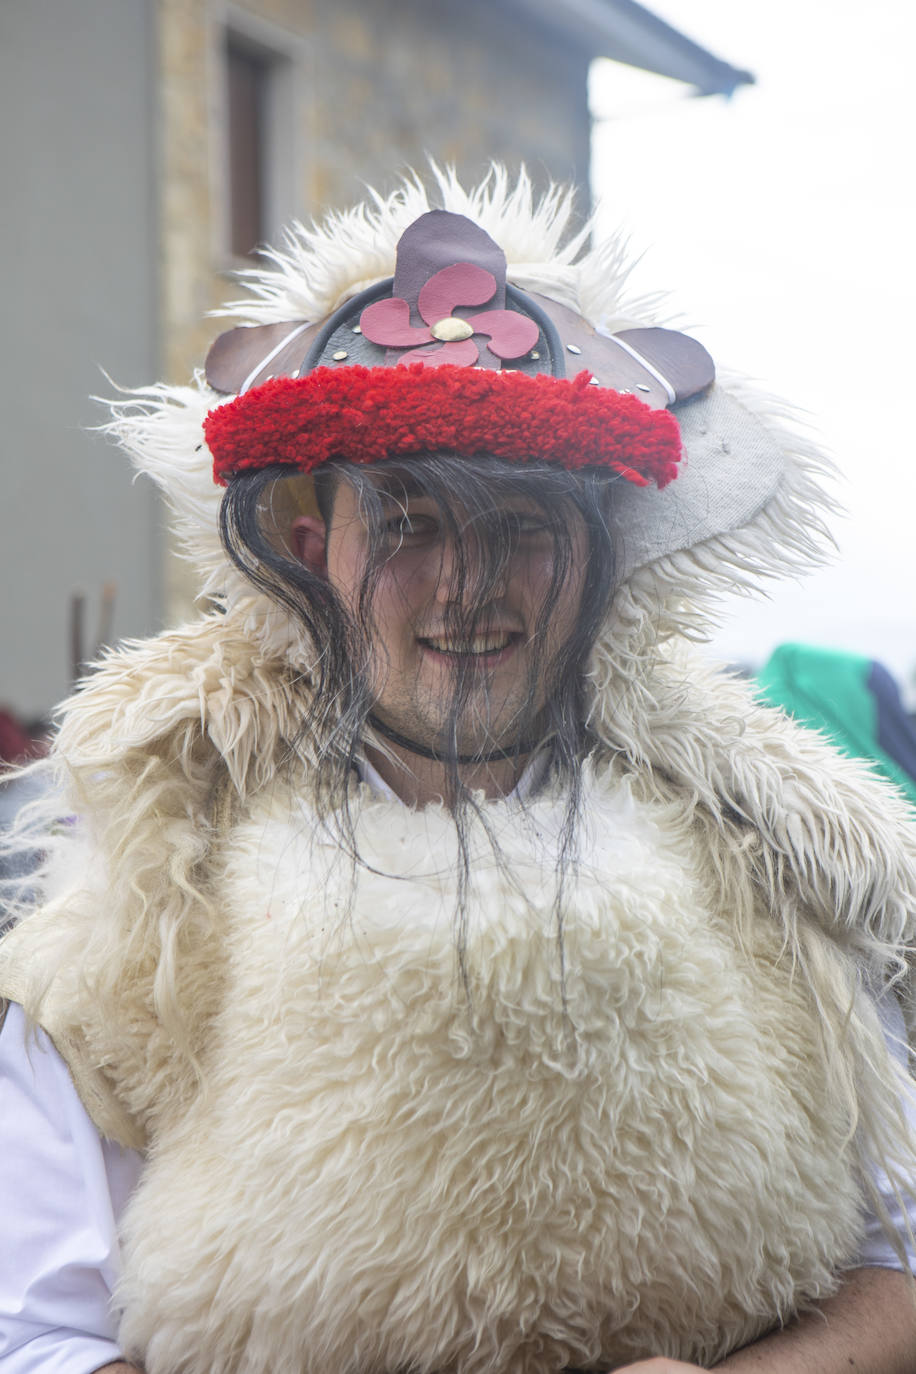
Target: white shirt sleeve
62, 1190
876, 1248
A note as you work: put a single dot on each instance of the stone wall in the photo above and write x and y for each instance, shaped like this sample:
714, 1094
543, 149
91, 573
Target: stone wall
399, 78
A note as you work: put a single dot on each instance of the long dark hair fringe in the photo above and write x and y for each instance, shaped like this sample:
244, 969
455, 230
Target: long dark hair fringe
476, 499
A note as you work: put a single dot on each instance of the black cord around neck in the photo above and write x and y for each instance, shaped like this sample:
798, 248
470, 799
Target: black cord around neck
495, 756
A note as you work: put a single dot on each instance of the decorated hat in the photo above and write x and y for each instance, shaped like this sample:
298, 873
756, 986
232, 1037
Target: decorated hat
479, 322
446, 356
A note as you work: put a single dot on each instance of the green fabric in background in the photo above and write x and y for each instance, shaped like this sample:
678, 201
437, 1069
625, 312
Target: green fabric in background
830, 691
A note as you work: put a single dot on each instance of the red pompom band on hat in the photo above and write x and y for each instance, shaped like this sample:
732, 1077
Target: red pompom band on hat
367, 415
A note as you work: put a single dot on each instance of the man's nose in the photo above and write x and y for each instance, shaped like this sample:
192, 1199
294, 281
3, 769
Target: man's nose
453, 577
460, 572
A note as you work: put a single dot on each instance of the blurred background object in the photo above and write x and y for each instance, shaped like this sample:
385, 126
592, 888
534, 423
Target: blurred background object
20, 743
852, 700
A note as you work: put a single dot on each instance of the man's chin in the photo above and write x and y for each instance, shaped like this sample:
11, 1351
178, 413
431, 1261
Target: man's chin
471, 743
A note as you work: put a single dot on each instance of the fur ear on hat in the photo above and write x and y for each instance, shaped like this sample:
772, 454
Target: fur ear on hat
746, 505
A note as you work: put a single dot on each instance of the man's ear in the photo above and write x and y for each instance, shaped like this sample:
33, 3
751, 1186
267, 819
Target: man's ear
309, 540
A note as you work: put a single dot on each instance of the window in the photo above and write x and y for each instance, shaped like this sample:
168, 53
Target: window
248, 76
261, 81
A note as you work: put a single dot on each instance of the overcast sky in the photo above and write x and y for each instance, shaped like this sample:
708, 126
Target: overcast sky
784, 222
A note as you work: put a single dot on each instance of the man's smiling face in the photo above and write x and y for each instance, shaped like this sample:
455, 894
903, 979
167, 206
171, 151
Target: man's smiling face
450, 625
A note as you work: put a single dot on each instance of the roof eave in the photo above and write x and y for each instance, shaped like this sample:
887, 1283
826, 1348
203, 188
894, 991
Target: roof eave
626, 31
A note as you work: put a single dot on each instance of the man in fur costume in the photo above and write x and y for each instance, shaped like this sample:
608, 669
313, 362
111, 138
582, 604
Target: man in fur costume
447, 971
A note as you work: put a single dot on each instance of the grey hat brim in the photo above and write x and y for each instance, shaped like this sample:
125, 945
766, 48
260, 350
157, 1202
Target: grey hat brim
732, 467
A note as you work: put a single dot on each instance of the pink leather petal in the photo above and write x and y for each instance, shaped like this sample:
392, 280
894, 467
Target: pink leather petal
463, 353
461, 284
388, 322
511, 334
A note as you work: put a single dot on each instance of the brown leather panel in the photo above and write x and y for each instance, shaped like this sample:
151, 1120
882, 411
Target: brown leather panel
684, 362
235, 354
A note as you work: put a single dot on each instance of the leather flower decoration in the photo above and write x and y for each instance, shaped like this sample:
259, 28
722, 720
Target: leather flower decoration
448, 338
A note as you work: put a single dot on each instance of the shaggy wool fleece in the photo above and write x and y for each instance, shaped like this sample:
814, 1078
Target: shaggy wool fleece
391, 1168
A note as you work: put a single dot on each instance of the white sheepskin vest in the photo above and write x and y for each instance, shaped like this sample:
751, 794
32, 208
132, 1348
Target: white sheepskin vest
548, 1162
367, 1156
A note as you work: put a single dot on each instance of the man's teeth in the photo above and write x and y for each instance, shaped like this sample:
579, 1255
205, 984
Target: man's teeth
478, 644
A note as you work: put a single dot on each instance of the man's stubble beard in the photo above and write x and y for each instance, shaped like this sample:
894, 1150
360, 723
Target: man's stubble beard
472, 715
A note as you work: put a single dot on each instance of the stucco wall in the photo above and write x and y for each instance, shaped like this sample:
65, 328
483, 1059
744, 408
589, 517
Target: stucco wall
78, 251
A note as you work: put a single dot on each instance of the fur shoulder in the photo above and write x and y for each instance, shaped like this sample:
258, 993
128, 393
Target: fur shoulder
203, 693
122, 958
835, 837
